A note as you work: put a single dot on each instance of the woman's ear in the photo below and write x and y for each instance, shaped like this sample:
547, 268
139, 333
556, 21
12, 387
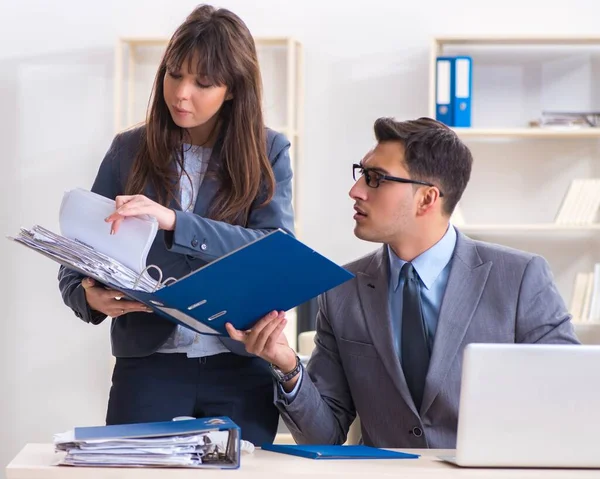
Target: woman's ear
229, 96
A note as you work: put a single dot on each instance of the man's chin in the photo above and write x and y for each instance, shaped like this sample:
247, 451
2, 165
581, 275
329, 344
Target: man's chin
365, 235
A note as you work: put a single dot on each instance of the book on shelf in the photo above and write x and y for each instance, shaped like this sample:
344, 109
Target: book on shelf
568, 119
578, 296
594, 314
581, 203
585, 300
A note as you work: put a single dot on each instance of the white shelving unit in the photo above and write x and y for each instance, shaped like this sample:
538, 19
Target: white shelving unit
521, 173
526, 133
524, 228
281, 62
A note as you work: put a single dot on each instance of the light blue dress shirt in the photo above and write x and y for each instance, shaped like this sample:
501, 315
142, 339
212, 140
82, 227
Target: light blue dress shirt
433, 269
183, 340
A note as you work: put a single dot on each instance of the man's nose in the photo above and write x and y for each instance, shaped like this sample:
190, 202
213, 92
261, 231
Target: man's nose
359, 190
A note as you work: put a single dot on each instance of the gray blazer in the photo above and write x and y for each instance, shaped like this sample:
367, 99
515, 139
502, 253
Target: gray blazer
195, 242
494, 294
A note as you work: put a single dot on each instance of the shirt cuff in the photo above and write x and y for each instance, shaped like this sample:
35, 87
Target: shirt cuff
289, 397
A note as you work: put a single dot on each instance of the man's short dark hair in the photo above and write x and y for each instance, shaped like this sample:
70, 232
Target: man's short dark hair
432, 152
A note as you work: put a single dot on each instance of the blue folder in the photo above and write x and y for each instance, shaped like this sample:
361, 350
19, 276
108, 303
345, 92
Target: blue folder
274, 272
155, 429
461, 100
229, 460
337, 452
444, 90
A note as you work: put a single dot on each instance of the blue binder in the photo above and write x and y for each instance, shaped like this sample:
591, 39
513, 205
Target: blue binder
274, 272
155, 429
229, 460
337, 452
444, 90
461, 101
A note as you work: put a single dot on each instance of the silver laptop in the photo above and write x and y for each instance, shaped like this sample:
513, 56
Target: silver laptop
529, 406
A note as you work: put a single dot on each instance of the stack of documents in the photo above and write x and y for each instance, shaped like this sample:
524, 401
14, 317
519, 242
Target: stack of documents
203, 443
570, 119
86, 245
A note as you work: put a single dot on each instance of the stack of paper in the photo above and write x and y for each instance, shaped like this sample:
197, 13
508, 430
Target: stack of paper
87, 246
207, 442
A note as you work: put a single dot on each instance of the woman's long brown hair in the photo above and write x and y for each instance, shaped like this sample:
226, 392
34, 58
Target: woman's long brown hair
226, 55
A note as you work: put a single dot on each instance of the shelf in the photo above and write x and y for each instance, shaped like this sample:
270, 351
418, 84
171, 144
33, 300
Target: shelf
507, 43
274, 40
518, 40
144, 41
527, 132
527, 228
160, 41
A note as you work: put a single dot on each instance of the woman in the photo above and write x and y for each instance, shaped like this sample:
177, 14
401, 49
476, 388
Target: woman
215, 179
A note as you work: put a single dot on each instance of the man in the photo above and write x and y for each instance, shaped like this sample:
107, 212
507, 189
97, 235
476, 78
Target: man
389, 343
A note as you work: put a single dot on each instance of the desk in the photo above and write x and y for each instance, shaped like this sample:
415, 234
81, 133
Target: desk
35, 462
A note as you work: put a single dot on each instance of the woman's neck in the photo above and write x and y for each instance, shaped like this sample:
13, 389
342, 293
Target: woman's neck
205, 134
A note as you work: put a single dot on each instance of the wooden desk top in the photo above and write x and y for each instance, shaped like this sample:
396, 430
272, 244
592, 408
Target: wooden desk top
35, 461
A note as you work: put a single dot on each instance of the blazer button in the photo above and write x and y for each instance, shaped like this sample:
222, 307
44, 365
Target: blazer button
194, 242
417, 431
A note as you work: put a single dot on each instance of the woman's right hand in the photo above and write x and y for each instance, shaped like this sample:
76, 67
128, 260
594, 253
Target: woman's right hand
105, 300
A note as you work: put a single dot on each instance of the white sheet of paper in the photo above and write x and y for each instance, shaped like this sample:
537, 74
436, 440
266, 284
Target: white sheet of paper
82, 215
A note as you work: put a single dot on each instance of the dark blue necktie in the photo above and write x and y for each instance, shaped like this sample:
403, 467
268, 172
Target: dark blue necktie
414, 347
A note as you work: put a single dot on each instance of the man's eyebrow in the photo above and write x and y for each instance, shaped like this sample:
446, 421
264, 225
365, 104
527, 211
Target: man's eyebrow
376, 169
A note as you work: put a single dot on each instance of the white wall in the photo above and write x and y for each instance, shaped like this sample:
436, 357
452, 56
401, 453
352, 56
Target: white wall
363, 60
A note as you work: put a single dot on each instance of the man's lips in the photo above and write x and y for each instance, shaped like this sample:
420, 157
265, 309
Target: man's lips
359, 211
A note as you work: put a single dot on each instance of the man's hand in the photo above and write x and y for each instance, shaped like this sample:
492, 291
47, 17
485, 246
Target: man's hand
140, 205
266, 340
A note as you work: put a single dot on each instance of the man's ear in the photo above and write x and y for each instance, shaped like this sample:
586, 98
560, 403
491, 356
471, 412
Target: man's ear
427, 200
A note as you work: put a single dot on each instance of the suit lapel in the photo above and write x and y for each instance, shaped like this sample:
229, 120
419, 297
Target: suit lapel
468, 275
373, 296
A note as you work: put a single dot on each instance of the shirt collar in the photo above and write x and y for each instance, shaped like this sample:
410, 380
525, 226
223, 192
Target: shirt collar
428, 264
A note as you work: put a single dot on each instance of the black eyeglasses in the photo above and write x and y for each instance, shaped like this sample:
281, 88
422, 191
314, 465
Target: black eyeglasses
374, 177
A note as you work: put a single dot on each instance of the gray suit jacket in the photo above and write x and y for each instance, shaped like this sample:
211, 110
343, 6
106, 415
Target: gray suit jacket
195, 242
494, 295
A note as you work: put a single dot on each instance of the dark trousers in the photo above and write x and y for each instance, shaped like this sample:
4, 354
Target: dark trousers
163, 386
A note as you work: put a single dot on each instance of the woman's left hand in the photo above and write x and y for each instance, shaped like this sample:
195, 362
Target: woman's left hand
140, 205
